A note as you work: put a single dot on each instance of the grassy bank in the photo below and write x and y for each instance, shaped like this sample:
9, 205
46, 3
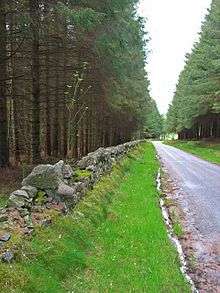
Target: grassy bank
209, 151
114, 241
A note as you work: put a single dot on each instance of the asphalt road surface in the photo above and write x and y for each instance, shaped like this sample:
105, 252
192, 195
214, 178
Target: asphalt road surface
197, 193
200, 181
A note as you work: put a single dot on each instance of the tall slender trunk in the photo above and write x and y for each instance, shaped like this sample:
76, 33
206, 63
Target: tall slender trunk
47, 79
63, 118
35, 28
4, 148
48, 106
56, 132
15, 105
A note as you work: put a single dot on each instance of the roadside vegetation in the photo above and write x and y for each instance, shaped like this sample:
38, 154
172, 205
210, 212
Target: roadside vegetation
115, 240
209, 151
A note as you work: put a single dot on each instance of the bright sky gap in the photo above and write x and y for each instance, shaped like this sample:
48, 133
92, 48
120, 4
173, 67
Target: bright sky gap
173, 26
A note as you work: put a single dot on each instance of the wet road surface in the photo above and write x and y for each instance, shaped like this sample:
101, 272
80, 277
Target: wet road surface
198, 193
201, 182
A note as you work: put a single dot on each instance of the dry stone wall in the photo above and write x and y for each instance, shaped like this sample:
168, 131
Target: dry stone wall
54, 188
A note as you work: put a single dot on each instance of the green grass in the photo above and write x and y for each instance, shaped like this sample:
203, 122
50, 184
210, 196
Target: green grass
3, 200
114, 241
178, 230
209, 151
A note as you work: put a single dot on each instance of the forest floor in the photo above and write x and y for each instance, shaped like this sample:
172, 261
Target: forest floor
115, 240
10, 180
207, 150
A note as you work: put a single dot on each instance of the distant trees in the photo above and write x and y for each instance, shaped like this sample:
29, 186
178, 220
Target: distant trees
72, 77
154, 122
195, 110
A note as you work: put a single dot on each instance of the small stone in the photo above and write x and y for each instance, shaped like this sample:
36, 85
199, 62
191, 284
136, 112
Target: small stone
23, 212
46, 222
7, 256
3, 211
2, 243
91, 168
48, 206
67, 172
49, 199
16, 201
5, 237
32, 191
21, 193
28, 222
28, 231
65, 190
80, 187
64, 210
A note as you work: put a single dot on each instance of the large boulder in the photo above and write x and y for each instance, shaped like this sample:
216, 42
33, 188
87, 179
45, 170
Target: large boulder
20, 198
45, 176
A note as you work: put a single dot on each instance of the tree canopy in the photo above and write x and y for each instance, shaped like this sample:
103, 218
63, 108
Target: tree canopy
195, 109
73, 77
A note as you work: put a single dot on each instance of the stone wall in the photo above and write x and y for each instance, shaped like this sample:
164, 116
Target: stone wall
54, 188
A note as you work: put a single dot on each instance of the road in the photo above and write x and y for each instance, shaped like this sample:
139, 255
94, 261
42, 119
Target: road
198, 192
200, 180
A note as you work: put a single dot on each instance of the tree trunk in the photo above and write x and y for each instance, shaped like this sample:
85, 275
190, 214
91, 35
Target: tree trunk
35, 28
4, 149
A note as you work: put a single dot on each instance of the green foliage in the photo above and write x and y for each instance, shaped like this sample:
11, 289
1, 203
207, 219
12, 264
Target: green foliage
40, 198
3, 200
106, 104
115, 37
121, 50
176, 224
112, 239
84, 18
154, 121
177, 229
80, 174
198, 89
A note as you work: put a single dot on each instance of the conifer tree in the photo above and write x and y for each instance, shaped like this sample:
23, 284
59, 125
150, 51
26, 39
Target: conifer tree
195, 110
73, 78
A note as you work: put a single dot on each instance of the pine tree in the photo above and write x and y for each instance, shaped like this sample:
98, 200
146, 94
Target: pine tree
195, 110
74, 78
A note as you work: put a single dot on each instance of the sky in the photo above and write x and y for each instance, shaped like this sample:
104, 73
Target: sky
173, 26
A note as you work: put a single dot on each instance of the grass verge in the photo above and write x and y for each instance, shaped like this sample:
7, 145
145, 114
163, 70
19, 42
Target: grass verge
209, 151
114, 240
